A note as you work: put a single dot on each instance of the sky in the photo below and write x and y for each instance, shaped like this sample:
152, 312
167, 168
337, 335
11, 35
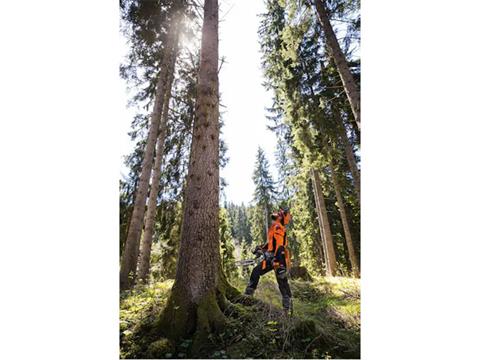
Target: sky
244, 99
243, 95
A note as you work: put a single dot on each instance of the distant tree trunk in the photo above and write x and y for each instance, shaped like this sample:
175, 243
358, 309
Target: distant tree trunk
324, 225
349, 85
146, 247
352, 164
321, 262
322, 242
346, 227
123, 236
130, 254
199, 293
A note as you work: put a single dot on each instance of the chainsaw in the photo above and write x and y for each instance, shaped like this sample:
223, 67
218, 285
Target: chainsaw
260, 255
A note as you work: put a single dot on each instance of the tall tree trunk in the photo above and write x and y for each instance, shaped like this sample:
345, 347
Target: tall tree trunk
324, 225
349, 85
146, 246
130, 254
198, 295
352, 164
322, 243
321, 261
346, 227
129, 216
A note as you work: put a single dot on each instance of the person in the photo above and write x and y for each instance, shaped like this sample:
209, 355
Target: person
276, 256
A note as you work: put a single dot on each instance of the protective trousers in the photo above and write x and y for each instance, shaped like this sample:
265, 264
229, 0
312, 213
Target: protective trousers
282, 281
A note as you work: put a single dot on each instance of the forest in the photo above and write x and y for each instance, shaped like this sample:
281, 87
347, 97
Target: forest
183, 246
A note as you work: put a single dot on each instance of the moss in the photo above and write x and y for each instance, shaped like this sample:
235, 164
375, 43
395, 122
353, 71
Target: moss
139, 309
210, 319
159, 349
178, 318
182, 318
238, 311
225, 288
244, 327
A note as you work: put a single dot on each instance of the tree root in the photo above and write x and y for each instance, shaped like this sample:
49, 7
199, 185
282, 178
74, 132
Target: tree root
182, 318
210, 319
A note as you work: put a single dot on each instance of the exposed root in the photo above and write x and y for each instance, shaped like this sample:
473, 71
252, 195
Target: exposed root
225, 322
210, 319
178, 317
183, 319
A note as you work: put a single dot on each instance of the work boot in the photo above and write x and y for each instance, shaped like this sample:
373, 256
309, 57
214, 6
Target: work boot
287, 304
249, 291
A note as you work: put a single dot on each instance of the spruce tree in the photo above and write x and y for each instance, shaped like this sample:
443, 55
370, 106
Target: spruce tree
349, 84
264, 196
132, 243
311, 107
200, 288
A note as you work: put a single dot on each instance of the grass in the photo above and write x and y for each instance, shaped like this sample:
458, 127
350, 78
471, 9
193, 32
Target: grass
325, 322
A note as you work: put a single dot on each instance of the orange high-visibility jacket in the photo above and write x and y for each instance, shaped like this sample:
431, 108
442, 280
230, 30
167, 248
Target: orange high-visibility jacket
277, 236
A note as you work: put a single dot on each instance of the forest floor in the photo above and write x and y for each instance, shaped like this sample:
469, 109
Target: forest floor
325, 322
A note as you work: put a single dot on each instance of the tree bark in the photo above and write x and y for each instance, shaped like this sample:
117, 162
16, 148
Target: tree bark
349, 85
130, 254
146, 246
321, 261
352, 164
324, 225
346, 227
322, 243
200, 290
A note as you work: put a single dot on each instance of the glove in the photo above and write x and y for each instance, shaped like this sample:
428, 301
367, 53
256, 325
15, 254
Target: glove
268, 255
257, 251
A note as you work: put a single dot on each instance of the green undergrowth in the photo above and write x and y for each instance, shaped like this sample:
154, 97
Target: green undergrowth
325, 323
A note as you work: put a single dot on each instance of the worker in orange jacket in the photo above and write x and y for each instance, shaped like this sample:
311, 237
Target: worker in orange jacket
276, 256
